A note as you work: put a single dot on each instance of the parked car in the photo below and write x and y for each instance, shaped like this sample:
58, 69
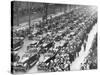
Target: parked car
17, 44
44, 65
28, 62
32, 45
14, 59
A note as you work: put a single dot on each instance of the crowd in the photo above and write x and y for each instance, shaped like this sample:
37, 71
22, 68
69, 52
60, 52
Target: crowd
62, 36
72, 32
90, 61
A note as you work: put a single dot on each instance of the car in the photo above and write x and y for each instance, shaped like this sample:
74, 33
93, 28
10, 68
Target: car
32, 45
14, 59
44, 65
17, 44
48, 46
41, 66
28, 62
30, 37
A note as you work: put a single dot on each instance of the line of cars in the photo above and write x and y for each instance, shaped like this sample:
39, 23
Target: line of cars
48, 43
78, 33
28, 59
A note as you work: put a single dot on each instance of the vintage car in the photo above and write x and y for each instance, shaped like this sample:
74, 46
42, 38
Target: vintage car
45, 47
17, 44
43, 66
32, 45
34, 37
31, 36
14, 59
27, 62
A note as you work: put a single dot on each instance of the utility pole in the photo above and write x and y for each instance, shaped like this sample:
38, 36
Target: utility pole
17, 9
29, 9
45, 12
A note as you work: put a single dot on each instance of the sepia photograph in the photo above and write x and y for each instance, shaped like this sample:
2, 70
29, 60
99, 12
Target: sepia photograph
53, 37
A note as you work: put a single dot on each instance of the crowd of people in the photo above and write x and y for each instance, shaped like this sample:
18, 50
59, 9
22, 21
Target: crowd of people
91, 60
65, 36
62, 36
